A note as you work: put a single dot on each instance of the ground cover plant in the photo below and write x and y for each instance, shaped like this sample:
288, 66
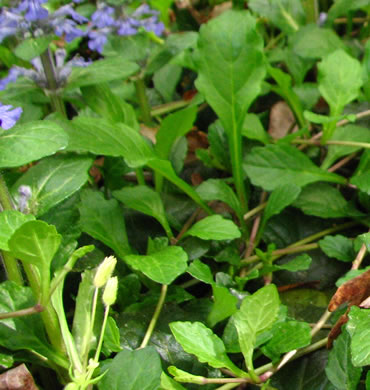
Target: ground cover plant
185, 191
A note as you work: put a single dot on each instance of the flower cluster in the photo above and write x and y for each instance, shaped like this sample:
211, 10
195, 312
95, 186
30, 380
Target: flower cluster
104, 22
9, 116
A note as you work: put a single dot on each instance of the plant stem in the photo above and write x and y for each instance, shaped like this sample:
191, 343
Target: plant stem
155, 317
169, 107
57, 103
254, 211
321, 322
360, 256
312, 10
23, 312
140, 176
364, 145
143, 100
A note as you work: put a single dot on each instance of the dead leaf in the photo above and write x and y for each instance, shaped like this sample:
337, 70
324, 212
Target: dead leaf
18, 378
282, 120
336, 330
221, 8
149, 132
196, 140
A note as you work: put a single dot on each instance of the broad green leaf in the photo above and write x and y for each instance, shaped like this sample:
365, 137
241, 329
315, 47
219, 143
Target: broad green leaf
108, 69
325, 201
163, 6
359, 330
100, 136
10, 221
33, 47
214, 227
362, 181
253, 129
287, 336
313, 42
339, 369
200, 341
216, 189
223, 307
145, 200
200, 271
53, 180
339, 247
340, 80
280, 198
287, 15
103, 220
257, 314
23, 332
168, 383
299, 263
351, 133
174, 126
274, 165
133, 370
163, 266
183, 376
165, 80
28, 142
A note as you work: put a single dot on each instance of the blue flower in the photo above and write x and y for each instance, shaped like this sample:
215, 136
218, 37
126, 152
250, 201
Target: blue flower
102, 17
67, 27
127, 27
97, 39
13, 74
34, 10
9, 116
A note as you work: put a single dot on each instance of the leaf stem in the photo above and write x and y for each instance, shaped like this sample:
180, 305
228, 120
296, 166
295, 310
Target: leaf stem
364, 145
360, 256
169, 107
23, 312
143, 99
155, 317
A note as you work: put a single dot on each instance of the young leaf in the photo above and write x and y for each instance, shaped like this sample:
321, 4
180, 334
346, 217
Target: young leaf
200, 271
274, 165
33, 47
168, 383
339, 247
10, 221
358, 328
257, 313
214, 227
163, 266
362, 181
183, 376
253, 129
145, 200
223, 307
133, 370
31, 141
199, 340
103, 220
53, 180
340, 370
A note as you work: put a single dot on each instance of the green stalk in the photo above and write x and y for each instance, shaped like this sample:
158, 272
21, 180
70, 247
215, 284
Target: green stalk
169, 107
10, 262
56, 101
312, 10
140, 176
143, 100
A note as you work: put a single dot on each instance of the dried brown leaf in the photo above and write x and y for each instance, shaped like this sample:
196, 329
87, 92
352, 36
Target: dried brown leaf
281, 121
18, 378
336, 330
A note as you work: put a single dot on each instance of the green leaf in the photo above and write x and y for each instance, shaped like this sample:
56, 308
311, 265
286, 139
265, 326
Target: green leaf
214, 227
253, 129
216, 189
274, 165
103, 220
31, 141
53, 180
200, 341
257, 314
359, 330
166, 79
163, 266
362, 181
10, 221
287, 336
108, 69
339, 247
349, 133
287, 15
145, 200
325, 201
314, 42
100, 136
133, 370
112, 340
340, 80
183, 376
174, 126
33, 47
324, 119
339, 369
168, 383
223, 307
200, 271
343, 7
299, 263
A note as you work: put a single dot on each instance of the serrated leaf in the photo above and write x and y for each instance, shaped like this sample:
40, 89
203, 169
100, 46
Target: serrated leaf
339, 247
359, 330
274, 165
145, 200
29, 142
257, 313
223, 307
299, 263
325, 201
53, 180
214, 227
200, 341
339, 369
133, 370
200, 271
163, 266
10, 221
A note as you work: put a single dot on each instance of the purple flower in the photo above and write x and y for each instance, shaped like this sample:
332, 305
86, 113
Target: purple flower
98, 39
25, 193
9, 116
9, 23
127, 27
34, 10
13, 74
102, 17
68, 10
68, 28
152, 24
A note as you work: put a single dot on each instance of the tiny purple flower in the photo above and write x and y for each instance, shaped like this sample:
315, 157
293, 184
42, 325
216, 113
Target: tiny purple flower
25, 193
9, 116
9, 23
68, 28
102, 17
152, 24
127, 27
68, 10
97, 40
34, 10
13, 74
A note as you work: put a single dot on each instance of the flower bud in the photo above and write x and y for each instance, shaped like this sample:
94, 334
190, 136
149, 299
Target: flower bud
110, 291
104, 271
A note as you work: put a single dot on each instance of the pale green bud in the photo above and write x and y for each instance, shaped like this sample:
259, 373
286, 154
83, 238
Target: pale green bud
104, 271
110, 291
72, 386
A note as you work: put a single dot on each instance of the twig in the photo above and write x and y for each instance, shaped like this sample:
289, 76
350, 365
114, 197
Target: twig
24, 312
360, 256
